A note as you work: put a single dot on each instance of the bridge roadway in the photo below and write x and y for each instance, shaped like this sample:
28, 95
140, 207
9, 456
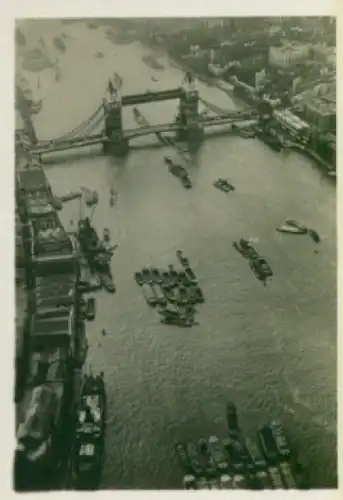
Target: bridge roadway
78, 142
162, 95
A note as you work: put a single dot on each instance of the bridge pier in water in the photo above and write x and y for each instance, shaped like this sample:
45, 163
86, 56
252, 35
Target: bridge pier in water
115, 142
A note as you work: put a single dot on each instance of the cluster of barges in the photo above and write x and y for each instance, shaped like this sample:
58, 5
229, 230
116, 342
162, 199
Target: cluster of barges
173, 292
238, 463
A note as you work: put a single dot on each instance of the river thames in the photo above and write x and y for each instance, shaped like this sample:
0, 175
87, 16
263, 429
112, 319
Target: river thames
272, 350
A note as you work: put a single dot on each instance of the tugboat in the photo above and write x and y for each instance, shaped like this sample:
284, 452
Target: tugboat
223, 185
90, 434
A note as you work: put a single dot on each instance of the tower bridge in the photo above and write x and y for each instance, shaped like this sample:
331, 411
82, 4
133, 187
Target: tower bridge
188, 126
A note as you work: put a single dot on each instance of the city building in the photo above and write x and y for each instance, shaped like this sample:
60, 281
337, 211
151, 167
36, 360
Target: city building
292, 123
288, 55
321, 112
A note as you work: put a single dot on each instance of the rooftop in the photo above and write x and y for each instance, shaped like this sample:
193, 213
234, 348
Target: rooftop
322, 105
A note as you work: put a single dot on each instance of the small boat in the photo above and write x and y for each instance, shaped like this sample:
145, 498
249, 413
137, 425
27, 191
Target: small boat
232, 420
186, 182
194, 460
268, 445
106, 235
298, 225
106, 279
280, 440
90, 309
189, 482
149, 295
182, 259
174, 276
236, 461
183, 298
88, 453
260, 268
139, 279
225, 482
209, 464
183, 458
99, 55
197, 293
245, 249
182, 321
223, 185
218, 454
169, 293
156, 275
146, 275
314, 235
160, 296
190, 274
290, 229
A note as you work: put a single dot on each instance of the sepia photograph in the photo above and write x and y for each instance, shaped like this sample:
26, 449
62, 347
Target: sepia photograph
175, 254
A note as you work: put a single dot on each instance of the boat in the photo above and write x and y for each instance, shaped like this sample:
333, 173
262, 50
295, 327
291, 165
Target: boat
209, 465
225, 482
182, 298
245, 248
236, 461
186, 182
106, 235
166, 279
268, 445
202, 484
194, 460
174, 276
190, 274
290, 229
280, 440
146, 275
169, 293
314, 235
156, 275
139, 279
239, 482
154, 79
59, 44
197, 294
99, 55
88, 308
102, 268
260, 268
223, 185
232, 420
149, 295
182, 321
160, 296
183, 458
296, 224
189, 482
90, 429
182, 259
218, 454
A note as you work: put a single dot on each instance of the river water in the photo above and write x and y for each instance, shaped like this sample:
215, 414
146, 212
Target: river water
270, 349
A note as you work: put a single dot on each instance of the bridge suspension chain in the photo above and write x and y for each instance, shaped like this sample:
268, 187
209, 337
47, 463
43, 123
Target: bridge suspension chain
88, 125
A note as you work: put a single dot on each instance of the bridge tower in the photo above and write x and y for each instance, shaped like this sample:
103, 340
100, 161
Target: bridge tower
192, 130
115, 140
